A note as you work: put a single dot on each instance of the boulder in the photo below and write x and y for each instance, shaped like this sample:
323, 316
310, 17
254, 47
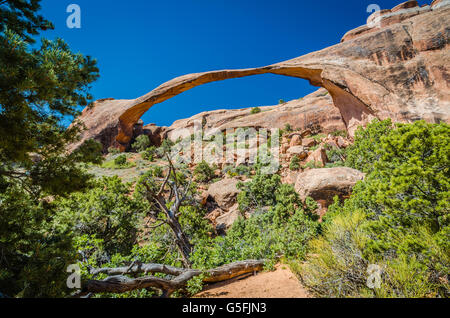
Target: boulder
296, 140
299, 151
223, 192
225, 221
325, 183
308, 142
342, 142
319, 156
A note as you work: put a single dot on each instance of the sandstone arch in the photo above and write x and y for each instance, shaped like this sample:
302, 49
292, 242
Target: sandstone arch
352, 109
398, 71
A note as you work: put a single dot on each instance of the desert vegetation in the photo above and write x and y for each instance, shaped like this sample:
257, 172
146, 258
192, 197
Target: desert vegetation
142, 224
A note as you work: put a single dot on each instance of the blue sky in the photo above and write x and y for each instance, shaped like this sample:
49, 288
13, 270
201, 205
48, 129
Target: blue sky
139, 44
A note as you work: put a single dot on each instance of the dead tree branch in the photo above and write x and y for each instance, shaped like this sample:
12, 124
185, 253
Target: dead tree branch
119, 283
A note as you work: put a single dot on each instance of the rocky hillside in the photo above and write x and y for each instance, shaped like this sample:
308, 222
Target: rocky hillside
398, 70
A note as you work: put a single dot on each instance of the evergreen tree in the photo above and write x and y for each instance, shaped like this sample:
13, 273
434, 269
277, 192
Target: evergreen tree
41, 86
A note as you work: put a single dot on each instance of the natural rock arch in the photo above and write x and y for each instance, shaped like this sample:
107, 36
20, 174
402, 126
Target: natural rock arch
352, 109
398, 71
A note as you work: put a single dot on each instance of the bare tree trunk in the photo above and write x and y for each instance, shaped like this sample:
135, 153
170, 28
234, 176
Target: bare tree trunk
183, 244
120, 283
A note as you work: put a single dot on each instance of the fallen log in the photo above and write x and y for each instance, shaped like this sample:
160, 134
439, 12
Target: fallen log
119, 283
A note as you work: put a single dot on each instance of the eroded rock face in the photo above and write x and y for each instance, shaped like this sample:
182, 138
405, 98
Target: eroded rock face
398, 71
315, 109
325, 183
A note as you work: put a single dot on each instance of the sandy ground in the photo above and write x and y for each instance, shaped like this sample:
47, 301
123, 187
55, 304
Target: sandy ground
280, 283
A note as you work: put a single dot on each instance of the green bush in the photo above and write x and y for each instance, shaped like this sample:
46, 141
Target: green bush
240, 170
362, 154
107, 211
141, 144
120, 160
287, 128
262, 236
149, 154
397, 218
255, 110
295, 163
203, 172
259, 191
113, 150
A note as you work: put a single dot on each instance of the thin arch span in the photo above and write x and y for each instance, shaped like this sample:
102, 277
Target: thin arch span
353, 110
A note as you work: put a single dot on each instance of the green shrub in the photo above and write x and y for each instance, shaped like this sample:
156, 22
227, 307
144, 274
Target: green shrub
149, 154
281, 101
240, 170
113, 150
262, 236
397, 218
255, 110
203, 172
141, 144
287, 128
120, 160
259, 191
311, 165
107, 211
295, 163
362, 154
165, 148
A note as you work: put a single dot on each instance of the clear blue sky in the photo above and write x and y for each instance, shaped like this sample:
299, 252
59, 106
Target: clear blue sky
139, 44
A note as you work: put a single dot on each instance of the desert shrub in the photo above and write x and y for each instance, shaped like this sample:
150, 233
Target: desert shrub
203, 172
106, 210
287, 202
259, 237
165, 148
281, 101
318, 137
362, 154
120, 160
287, 128
259, 191
113, 150
342, 133
141, 143
295, 163
397, 218
311, 165
149, 153
336, 266
336, 157
240, 170
255, 110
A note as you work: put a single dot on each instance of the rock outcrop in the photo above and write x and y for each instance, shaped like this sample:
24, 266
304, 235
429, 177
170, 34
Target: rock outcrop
315, 110
398, 71
325, 183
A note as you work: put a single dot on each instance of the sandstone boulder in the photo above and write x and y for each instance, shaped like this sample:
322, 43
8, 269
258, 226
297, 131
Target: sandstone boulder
299, 151
225, 221
325, 183
308, 142
224, 192
318, 156
296, 140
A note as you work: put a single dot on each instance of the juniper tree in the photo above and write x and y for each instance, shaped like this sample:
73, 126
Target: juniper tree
42, 86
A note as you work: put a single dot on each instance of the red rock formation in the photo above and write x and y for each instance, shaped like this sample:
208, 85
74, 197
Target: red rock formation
398, 71
315, 109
